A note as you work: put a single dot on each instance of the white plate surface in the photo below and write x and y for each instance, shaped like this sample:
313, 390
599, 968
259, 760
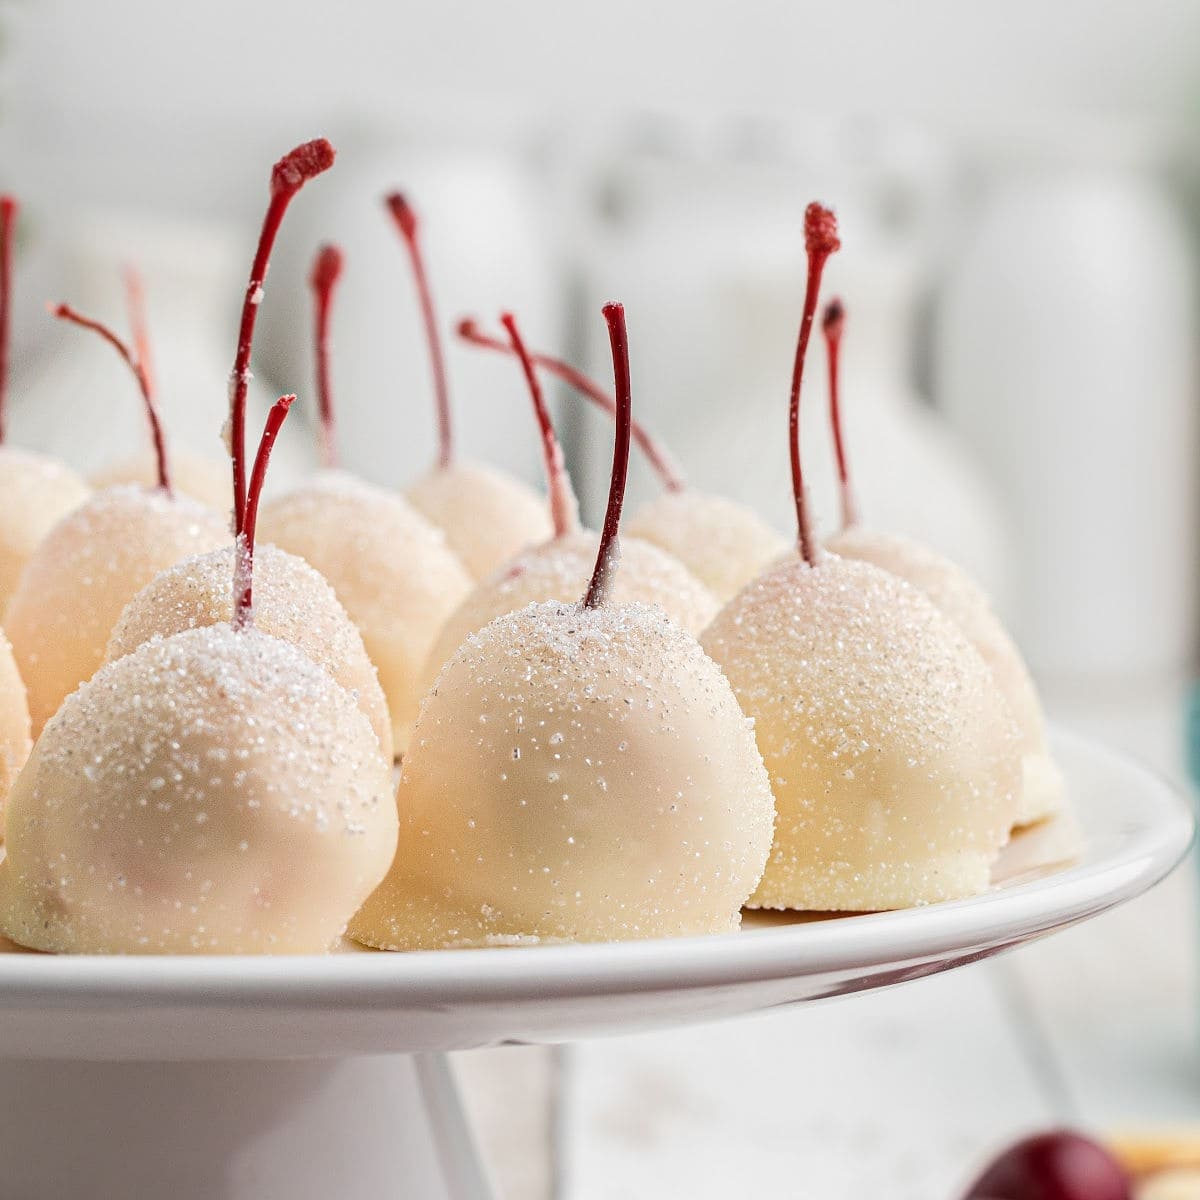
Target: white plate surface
1136, 830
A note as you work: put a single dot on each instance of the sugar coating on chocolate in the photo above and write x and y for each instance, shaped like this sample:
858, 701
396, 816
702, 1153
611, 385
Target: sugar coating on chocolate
15, 740
84, 572
390, 568
488, 517
957, 595
723, 543
202, 478
291, 601
891, 752
575, 775
560, 570
36, 492
212, 792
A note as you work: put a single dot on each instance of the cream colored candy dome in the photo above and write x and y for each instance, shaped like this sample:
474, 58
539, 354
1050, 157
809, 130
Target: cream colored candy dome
965, 603
576, 775
36, 492
213, 792
291, 601
390, 568
487, 516
723, 543
560, 569
890, 749
204, 479
14, 722
90, 565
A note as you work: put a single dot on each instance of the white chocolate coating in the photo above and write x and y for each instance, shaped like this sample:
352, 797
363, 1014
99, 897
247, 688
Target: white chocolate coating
204, 479
723, 543
87, 568
966, 604
36, 492
390, 568
890, 748
14, 722
560, 569
291, 601
210, 793
576, 775
487, 516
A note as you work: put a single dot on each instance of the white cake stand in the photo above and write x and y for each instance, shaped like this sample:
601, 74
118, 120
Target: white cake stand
321, 1077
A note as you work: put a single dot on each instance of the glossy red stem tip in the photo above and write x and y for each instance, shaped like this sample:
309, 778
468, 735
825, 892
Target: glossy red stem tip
288, 176
832, 324
405, 217
243, 569
609, 553
564, 511
65, 312
323, 279
661, 461
820, 240
298, 166
8, 222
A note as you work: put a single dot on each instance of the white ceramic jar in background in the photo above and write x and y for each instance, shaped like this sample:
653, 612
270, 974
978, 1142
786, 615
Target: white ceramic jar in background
706, 248
1065, 354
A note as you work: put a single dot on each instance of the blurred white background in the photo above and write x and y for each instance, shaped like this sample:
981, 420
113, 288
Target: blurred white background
1016, 186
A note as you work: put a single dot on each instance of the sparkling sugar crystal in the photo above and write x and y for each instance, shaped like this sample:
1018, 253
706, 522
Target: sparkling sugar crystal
957, 595
893, 754
268, 850
390, 568
84, 573
559, 570
291, 601
14, 722
657, 823
36, 492
724, 544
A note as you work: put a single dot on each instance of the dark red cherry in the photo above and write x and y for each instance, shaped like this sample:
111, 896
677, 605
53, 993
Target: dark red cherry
1059, 1165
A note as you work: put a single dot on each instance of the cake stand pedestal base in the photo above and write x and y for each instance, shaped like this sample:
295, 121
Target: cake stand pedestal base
356, 1129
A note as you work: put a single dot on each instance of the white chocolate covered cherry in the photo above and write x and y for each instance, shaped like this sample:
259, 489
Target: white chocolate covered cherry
292, 601
84, 572
390, 568
558, 569
957, 595
890, 748
580, 772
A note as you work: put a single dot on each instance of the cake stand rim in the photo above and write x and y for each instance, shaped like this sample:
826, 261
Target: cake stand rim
1156, 832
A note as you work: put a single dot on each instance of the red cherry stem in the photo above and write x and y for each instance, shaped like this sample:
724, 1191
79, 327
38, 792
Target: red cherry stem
661, 461
66, 313
135, 305
326, 271
8, 220
832, 325
609, 553
243, 567
564, 508
288, 176
406, 222
820, 241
